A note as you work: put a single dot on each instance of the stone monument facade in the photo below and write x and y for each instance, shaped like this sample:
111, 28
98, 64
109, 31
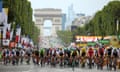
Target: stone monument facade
55, 15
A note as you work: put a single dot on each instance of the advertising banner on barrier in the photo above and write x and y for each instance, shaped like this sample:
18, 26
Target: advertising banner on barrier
88, 38
6, 42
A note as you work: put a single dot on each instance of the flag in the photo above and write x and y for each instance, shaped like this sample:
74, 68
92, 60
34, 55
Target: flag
17, 38
7, 34
4, 31
24, 41
1, 5
1, 19
8, 26
6, 11
18, 33
5, 16
27, 41
31, 43
11, 34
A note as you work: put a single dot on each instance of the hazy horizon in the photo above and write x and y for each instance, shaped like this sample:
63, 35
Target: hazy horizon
88, 7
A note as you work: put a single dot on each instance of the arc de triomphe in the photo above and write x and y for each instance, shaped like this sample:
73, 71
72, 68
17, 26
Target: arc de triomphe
54, 15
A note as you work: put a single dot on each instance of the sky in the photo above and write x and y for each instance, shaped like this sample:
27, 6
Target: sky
88, 7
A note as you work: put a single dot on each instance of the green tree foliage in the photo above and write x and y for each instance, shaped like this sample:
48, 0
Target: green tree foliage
79, 31
36, 33
65, 36
20, 12
104, 21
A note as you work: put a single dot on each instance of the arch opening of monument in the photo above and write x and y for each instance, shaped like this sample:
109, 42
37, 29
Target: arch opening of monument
49, 21
47, 28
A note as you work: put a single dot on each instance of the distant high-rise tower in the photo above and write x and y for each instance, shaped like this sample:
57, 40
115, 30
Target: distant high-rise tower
71, 15
79, 15
63, 21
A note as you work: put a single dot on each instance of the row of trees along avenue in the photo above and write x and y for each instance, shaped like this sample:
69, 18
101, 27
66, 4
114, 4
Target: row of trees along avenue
20, 12
103, 23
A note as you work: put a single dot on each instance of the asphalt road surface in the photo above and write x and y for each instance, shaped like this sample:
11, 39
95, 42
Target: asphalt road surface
35, 68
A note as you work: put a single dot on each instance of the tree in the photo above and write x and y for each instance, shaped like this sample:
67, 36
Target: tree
65, 36
104, 21
20, 12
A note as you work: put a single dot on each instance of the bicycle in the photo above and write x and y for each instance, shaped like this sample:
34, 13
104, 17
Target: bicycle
90, 62
114, 63
83, 60
73, 64
109, 63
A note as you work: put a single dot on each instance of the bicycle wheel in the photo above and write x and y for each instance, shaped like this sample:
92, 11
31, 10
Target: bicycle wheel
73, 65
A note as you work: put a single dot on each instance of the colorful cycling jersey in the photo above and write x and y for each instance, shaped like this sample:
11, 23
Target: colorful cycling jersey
13, 52
101, 51
115, 52
83, 52
61, 52
22, 52
42, 51
7, 52
90, 52
74, 53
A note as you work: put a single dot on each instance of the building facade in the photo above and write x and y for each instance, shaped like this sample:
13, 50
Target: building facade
81, 21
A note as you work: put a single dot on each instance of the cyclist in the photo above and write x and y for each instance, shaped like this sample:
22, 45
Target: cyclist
61, 56
115, 53
0, 54
17, 56
83, 53
75, 56
119, 60
54, 57
108, 52
13, 55
33, 57
7, 53
37, 57
22, 54
96, 55
3, 55
101, 57
90, 54
48, 55
42, 52
28, 56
